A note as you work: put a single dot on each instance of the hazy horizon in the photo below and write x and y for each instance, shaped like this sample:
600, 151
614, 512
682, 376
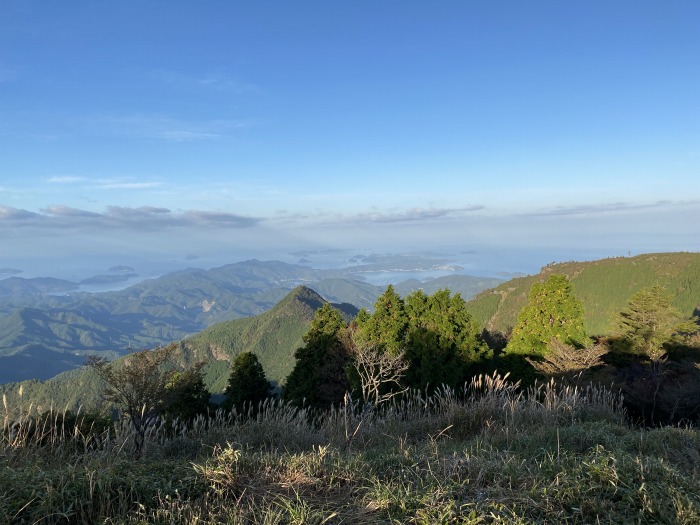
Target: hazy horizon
141, 133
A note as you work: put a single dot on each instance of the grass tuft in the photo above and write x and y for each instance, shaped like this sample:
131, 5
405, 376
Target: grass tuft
490, 453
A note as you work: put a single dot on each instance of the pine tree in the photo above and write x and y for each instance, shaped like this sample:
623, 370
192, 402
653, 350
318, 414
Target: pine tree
319, 376
386, 328
247, 384
443, 343
650, 323
552, 313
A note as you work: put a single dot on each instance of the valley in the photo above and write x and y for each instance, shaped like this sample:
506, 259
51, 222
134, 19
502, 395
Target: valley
43, 333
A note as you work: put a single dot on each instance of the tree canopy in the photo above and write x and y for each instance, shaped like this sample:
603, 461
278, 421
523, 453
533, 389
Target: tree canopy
319, 376
552, 313
650, 323
386, 327
247, 384
435, 333
443, 343
144, 387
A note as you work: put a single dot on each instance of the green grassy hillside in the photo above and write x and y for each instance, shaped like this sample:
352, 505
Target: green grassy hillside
603, 286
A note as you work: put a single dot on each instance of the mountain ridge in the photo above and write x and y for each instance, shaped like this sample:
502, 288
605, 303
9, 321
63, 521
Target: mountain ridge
273, 336
155, 312
603, 286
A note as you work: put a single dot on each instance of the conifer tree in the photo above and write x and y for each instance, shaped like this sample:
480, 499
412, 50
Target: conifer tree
650, 322
319, 376
552, 313
247, 384
386, 328
443, 343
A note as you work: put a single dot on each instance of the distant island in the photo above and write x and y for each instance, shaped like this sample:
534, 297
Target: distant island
121, 269
108, 279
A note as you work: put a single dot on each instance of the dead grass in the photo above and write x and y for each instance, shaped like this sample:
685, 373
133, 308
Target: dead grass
488, 454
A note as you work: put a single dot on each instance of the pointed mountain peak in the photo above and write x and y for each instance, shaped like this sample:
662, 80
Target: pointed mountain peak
303, 297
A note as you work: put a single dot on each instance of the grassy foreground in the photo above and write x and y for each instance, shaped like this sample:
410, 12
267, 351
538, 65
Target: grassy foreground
489, 454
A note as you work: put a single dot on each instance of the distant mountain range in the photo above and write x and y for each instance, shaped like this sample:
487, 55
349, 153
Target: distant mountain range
273, 336
45, 330
603, 286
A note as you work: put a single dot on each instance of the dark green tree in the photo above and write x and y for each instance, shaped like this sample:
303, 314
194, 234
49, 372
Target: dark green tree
443, 343
247, 384
650, 323
552, 313
650, 326
319, 376
186, 394
386, 328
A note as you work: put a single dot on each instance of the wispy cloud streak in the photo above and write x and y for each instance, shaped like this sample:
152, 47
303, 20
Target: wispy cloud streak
381, 216
606, 208
140, 218
127, 185
65, 179
414, 214
214, 81
160, 127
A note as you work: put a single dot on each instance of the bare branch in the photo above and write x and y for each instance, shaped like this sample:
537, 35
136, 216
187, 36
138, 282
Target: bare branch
564, 360
138, 386
380, 373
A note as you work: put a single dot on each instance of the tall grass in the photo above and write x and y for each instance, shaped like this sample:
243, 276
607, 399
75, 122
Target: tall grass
489, 453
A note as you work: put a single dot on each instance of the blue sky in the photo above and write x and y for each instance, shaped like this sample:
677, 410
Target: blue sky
169, 128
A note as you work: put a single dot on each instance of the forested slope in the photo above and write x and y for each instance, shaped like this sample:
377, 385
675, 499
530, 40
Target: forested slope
603, 286
273, 336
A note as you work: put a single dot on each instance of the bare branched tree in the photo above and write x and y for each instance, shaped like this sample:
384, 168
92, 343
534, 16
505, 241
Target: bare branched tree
138, 386
563, 360
380, 373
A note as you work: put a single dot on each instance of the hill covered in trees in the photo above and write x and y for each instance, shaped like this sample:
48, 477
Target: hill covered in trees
391, 415
443, 338
44, 330
273, 336
602, 286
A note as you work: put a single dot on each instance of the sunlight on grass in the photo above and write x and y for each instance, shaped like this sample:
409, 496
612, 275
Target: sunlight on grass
490, 453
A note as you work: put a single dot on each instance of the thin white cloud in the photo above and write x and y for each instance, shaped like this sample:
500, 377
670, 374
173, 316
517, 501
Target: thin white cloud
128, 185
216, 81
144, 218
607, 208
125, 211
106, 184
67, 211
379, 216
415, 214
161, 127
218, 218
8, 214
188, 136
67, 179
